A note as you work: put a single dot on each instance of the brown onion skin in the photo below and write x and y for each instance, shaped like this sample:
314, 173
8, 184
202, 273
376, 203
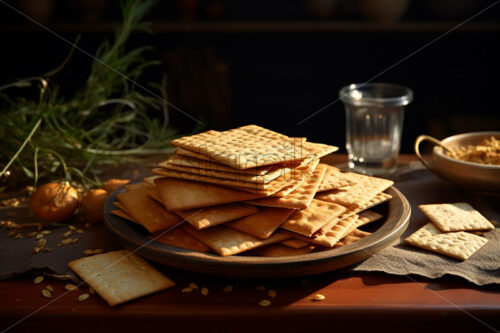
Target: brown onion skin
54, 202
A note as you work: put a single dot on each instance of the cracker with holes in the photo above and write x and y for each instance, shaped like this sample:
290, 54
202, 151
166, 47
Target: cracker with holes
456, 217
460, 245
120, 276
262, 224
332, 236
183, 194
301, 198
364, 189
146, 211
307, 221
209, 216
227, 241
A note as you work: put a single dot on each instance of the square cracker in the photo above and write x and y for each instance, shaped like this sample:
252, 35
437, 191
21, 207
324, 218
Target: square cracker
191, 162
458, 216
306, 222
333, 180
243, 150
179, 238
377, 200
227, 241
277, 184
179, 194
240, 149
353, 236
120, 276
149, 213
259, 179
332, 236
213, 215
262, 224
459, 245
364, 189
301, 198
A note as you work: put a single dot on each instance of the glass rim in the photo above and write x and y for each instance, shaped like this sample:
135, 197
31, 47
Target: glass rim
404, 98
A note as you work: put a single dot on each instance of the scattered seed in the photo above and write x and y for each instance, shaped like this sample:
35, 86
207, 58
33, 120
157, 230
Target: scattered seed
31, 234
80, 231
49, 288
45, 232
11, 233
97, 251
228, 288
187, 290
318, 297
70, 287
36, 249
271, 293
38, 279
92, 291
261, 288
67, 233
46, 293
88, 251
71, 227
264, 303
75, 240
204, 291
42, 242
59, 244
46, 249
83, 297
39, 236
87, 225
18, 236
193, 285
66, 241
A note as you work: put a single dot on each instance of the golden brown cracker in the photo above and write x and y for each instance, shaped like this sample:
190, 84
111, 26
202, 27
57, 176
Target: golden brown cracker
183, 194
460, 245
263, 223
301, 198
364, 189
120, 276
458, 216
227, 241
146, 211
307, 221
213, 215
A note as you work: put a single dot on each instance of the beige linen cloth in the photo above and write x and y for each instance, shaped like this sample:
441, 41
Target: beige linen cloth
422, 187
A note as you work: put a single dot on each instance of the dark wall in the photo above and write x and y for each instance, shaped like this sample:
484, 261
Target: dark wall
277, 77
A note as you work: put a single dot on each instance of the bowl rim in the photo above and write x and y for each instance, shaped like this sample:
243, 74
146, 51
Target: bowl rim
439, 150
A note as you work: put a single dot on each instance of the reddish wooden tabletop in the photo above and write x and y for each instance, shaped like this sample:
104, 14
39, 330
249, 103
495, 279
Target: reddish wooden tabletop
362, 302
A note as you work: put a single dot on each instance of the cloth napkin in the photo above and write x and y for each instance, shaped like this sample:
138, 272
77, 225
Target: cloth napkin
423, 187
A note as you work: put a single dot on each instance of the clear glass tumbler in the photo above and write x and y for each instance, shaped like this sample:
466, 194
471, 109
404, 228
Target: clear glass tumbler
374, 123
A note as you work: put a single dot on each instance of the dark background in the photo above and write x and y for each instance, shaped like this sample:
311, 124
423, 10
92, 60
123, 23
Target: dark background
274, 63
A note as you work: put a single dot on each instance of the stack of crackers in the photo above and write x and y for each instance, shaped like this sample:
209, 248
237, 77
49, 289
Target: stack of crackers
455, 230
252, 189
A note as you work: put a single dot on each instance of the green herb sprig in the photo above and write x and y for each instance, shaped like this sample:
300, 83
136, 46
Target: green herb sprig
107, 121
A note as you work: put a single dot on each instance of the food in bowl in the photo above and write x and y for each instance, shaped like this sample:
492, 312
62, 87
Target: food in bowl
486, 152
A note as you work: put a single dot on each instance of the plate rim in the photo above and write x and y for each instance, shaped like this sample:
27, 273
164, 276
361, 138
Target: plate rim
399, 212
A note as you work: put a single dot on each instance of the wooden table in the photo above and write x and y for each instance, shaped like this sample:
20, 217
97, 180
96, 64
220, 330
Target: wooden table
362, 302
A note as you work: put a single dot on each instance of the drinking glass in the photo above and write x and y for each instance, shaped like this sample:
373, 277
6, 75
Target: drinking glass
374, 123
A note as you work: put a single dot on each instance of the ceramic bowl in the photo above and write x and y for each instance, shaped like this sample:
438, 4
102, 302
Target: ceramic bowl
473, 176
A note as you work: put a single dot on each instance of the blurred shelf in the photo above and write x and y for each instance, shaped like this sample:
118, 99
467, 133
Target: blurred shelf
164, 27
